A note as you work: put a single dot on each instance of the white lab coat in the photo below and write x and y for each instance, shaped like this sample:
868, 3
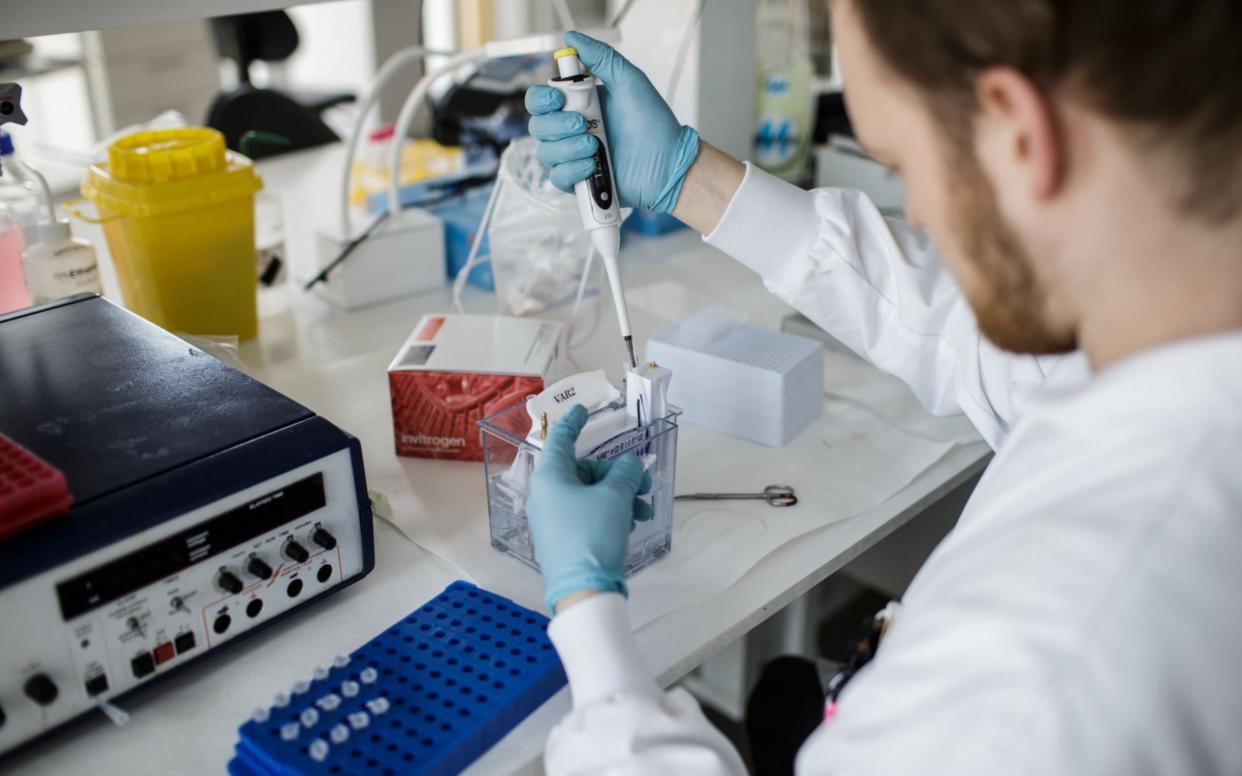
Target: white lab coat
1083, 616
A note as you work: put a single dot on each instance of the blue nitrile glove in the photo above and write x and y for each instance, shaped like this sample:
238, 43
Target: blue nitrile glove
581, 513
651, 152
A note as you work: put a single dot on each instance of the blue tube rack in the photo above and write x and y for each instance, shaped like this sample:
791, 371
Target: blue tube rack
427, 696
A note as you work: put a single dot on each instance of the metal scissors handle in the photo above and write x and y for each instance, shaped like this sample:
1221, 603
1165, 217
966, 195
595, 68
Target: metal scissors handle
775, 495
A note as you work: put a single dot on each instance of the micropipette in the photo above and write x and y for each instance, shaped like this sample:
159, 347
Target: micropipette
597, 195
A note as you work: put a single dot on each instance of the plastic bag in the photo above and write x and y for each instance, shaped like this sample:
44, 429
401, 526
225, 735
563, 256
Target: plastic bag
538, 245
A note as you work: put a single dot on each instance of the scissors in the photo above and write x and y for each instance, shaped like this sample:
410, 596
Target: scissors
775, 495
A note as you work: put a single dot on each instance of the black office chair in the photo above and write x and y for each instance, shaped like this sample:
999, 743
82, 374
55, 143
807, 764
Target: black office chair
267, 36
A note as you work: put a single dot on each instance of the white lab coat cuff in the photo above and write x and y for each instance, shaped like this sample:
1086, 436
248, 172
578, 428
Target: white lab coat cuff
598, 650
766, 222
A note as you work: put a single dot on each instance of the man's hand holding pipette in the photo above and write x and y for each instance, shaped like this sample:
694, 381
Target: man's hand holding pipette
651, 150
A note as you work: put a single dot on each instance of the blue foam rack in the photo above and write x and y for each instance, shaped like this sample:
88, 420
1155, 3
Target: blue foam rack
428, 696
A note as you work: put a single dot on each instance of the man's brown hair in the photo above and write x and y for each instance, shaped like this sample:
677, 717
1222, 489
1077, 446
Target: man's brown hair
1169, 71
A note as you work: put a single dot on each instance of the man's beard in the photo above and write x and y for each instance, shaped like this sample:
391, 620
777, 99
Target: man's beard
1009, 302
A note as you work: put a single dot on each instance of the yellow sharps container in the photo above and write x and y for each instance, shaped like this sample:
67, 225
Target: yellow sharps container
178, 212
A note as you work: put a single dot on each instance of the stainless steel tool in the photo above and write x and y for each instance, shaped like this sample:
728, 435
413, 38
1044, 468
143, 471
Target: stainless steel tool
775, 495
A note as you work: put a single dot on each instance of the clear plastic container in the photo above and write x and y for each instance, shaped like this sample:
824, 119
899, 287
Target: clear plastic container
508, 461
23, 197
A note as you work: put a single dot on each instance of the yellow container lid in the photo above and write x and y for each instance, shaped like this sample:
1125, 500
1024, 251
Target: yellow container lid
167, 171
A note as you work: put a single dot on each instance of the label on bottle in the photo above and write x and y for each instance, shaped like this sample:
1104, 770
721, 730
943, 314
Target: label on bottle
60, 272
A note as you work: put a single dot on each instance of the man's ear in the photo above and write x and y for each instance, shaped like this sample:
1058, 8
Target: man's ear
1018, 131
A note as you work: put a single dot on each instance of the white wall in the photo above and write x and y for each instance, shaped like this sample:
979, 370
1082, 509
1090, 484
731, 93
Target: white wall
716, 86
336, 50
651, 34
56, 104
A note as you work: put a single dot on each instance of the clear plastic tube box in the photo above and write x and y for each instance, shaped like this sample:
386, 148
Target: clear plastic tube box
509, 460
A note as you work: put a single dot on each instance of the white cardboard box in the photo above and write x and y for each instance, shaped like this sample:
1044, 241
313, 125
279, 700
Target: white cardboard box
397, 260
756, 384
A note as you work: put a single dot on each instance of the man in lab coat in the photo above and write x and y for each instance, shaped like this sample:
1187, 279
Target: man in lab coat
1079, 168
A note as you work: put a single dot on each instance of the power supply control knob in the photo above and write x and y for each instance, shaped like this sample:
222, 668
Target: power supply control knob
257, 568
296, 552
323, 538
41, 689
228, 582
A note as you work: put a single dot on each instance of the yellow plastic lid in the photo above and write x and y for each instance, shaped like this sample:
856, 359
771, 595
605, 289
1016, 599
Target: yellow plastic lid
166, 154
169, 170
564, 52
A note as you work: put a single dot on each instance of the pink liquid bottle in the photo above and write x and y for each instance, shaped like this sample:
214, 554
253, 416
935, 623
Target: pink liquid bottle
19, 209
13, 293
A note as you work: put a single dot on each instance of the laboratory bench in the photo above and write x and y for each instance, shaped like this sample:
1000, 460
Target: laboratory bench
690, 605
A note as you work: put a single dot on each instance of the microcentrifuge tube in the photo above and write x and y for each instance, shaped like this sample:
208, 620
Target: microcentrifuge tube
300, 686
378, 706
340, 661
349, 688
290, 731
329, 702
319, 673
368, 675
309, 717
318, 750
260, 715
281, 700
339, 734
358, 720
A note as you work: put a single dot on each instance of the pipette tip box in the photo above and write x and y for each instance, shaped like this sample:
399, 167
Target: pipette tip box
426, 697
509, 459
734, 377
